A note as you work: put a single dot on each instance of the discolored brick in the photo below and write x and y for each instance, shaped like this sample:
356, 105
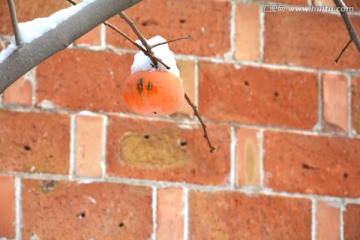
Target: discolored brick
187, 74
335, 102
89, 145
248, 157
210, 32
257, 95
19, 93
160, 150
170, 218
311, 164
229, 215
67, 210
86, 80
7, 207
34, 142
328, 220
247, 38
310, 39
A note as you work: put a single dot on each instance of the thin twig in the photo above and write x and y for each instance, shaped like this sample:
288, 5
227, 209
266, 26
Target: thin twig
350, 27
14, 22
141, 38
170, 41
203, 125
343, 50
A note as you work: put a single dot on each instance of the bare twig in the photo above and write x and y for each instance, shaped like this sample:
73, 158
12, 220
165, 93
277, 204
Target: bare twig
343, 50
350, 27
14, 22
203, 125
140, 36
170, 41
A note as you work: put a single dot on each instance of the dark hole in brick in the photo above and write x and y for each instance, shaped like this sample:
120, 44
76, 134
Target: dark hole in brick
51, 156
308, 167
149, 23
121, 224
246, 83
81, 215
346, 175
183, 143
146, 136
155, 112
27, 148
182, 20
276, 94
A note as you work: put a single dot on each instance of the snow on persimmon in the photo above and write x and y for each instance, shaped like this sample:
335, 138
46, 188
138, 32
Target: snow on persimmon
154, 90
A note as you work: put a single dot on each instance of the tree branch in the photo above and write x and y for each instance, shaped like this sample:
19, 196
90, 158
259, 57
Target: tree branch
203, 125
350, 27
57, 39
14, 22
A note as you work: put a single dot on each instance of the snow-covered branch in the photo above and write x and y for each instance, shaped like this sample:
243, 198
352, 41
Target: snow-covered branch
69, 26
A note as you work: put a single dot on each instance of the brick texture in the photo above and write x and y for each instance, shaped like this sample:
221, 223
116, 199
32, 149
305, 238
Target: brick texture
304, 39
294, 162
352, 222
164, 151
210, 35
83, 80
328, 220
34, 142
7, 207
170, 214
227, 215
85, 211
257, 95
19, 93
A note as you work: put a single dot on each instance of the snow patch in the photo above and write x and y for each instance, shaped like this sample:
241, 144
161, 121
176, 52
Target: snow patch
144, 63
35, 28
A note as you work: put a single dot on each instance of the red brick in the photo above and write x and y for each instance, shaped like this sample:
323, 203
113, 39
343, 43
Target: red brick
355, 104
19, 93
28, 10
7, 207
34, 142
328, 220
159, 150
247, 38
352, 222
335, 102
258, 95
228, 215
86, 80
170, 218
89, 145
91, 38
210, 32
308, 39
67, 210
248, 157
312, 164
350, 3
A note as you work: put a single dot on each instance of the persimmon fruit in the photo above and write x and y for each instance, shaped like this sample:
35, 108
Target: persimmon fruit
153, 93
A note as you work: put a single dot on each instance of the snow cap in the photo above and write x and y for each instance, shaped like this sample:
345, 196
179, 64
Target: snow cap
144, 63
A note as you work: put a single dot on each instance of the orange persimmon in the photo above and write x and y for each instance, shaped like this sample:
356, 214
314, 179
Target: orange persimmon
153, 93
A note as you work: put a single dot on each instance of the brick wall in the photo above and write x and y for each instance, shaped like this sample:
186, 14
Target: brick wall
75, 164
